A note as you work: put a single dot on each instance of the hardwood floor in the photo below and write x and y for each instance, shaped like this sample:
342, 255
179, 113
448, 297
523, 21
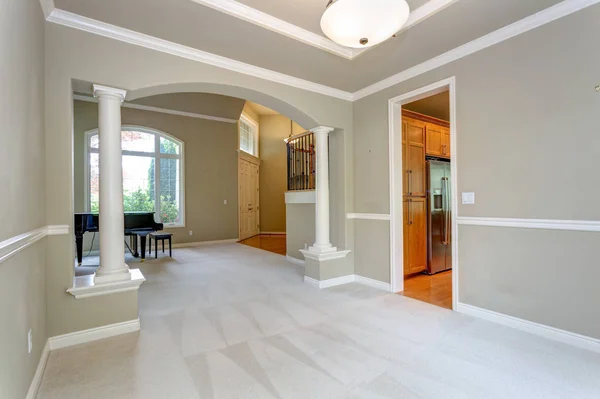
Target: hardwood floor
436, 289
269, 242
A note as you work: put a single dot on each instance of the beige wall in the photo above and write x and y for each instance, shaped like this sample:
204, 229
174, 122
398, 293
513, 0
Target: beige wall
22, 164
210, 169
74, 54
527, 114
301, 228
273, 170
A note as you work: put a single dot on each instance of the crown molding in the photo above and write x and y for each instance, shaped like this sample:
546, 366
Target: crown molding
75, 21
47, 7
274, 24
160, 110
543, 17
526, 24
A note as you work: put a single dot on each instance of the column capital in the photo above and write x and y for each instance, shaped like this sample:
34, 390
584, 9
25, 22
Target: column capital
105, 91
322, 130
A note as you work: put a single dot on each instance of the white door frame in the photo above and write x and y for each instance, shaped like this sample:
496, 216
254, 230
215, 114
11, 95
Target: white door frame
396, 214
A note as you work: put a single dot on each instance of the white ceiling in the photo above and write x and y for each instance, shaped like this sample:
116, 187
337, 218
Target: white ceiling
190, 23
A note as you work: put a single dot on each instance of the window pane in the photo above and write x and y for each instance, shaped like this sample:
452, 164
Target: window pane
94, 182
138, 184
94, 141
168, 147
169, 190
246, 137
137, 141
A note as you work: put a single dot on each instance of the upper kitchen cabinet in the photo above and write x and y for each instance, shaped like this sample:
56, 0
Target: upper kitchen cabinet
437, 134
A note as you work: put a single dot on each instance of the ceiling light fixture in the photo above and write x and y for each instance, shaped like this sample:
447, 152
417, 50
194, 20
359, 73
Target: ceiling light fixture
363, 23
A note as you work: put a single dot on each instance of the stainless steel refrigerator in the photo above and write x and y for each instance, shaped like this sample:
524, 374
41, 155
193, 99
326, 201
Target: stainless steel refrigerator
439, 217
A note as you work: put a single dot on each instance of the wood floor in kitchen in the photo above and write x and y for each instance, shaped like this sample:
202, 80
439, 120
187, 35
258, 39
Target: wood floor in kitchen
436, 289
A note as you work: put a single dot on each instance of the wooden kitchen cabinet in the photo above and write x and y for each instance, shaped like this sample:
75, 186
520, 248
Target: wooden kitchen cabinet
437, 134
415, 235
413, 157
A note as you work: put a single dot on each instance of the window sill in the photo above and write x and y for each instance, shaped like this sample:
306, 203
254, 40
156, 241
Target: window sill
84, 286
173, 226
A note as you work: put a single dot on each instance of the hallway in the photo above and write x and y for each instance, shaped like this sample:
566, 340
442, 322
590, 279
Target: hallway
231, 321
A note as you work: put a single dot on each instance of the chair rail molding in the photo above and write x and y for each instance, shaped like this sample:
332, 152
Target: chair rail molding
16, 244
545, 224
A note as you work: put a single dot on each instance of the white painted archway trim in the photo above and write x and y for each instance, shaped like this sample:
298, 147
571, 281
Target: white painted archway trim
395, 164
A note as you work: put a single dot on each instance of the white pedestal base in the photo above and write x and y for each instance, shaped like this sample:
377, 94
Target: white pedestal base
86, 286
319, 255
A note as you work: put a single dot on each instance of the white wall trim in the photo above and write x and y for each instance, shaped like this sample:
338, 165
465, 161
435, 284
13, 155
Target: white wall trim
34, 386
332, 282
277, 25
16, 244
93, 334
158, 109
546, 224
380, 285
47, 7
368, 216
204, 243
543, 17
301, 197
552, 333
274, 24
396, 194
524, 25
351, 278
75, 21
295, 261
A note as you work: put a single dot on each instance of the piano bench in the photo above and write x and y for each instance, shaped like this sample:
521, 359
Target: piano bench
159, 237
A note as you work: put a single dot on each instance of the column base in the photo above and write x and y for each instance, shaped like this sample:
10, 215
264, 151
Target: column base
320, 254
121, 274
88, 286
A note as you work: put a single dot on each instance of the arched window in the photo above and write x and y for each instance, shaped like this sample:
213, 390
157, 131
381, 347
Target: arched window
152, 173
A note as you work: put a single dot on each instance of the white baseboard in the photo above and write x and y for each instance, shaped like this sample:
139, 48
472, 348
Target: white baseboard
39, 373
295, 261
380, 285
203, 243
351, 278
274, 233
555, 334
93, 334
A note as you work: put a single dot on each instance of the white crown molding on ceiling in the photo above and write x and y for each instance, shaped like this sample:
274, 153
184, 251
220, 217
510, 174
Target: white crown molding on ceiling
550, 14
274, 24
90, 25
142, 107
526, 24
47, 7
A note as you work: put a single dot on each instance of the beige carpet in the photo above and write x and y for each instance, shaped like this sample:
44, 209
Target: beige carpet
231, 321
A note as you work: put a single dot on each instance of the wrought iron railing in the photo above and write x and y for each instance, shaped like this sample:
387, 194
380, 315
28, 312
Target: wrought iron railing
301, 162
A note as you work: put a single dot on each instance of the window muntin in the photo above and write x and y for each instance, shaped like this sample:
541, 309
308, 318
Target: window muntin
248, 135
152, 168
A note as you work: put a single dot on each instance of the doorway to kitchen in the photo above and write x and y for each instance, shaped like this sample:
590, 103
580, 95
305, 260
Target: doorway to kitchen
423, 200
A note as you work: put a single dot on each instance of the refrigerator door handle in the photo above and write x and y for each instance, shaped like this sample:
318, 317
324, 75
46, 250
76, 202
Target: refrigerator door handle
445, 209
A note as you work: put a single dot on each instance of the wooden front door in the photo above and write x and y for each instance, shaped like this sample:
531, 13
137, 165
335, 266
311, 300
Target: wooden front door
248, 198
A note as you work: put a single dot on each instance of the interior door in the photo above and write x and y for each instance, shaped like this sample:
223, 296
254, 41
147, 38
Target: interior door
248, 198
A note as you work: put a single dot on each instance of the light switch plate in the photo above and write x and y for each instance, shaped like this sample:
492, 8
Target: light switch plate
468, 198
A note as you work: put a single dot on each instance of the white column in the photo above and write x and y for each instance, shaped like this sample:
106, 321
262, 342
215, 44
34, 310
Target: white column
322, 243
111, 218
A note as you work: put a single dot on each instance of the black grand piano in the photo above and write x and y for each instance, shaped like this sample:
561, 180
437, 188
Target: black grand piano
136, 224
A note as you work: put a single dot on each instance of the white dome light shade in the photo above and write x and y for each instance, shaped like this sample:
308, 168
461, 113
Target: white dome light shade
363, 23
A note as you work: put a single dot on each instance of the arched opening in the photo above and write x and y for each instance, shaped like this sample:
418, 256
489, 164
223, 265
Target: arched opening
209, 200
